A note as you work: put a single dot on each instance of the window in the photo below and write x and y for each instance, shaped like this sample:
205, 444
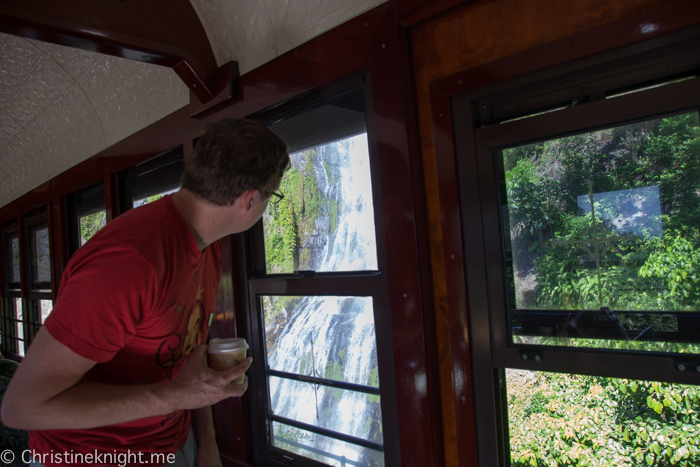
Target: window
587, 211
152, 179
12, 322
38, 306
11, 257
314, 289
15, 342
88, 214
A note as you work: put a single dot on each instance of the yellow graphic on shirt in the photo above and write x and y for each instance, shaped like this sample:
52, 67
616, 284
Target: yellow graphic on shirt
193, 335
173, 351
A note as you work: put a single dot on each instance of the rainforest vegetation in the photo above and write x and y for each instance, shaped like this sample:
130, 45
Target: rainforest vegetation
292, 225
636, 188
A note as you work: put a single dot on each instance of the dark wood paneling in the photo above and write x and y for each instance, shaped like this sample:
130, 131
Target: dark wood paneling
58, 242
162, 32
112, 208
455, 325
411, 12
401, 191
231, 426
224, 89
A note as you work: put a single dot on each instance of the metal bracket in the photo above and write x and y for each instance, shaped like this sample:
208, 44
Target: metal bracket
687, 365
531, 355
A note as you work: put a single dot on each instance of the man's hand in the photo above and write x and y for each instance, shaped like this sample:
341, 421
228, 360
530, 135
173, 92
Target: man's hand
198, 386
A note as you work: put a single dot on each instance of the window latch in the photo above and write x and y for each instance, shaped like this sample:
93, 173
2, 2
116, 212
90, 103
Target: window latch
305, 273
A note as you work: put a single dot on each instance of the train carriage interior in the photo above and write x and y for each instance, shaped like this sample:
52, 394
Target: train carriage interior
487, 252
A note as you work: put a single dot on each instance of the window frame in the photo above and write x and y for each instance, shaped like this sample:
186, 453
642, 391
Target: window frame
10, 344
73, 230
44, 290
10, 288
353, 283
33, 288
154, 164
487, 114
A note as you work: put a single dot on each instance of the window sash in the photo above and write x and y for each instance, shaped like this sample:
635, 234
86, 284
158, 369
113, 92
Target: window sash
322, 284
666, 100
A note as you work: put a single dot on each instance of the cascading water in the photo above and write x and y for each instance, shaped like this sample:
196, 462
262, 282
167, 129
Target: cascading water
333, 337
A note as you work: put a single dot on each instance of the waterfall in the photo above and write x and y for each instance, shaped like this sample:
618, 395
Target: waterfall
334, 337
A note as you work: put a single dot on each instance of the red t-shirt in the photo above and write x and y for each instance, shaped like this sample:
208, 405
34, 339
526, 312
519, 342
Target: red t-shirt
137, 299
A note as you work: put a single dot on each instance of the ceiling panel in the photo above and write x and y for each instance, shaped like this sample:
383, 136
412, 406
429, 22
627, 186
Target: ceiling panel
59, 105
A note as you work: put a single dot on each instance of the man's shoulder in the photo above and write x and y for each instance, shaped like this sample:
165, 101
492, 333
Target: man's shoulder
136, 226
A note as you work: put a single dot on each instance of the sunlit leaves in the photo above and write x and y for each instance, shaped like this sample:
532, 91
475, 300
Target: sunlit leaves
593, 421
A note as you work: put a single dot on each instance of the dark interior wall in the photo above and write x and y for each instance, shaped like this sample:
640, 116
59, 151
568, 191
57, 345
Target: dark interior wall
468, 36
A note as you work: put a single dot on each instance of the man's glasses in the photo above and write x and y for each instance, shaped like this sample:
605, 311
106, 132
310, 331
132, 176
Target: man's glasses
276, 197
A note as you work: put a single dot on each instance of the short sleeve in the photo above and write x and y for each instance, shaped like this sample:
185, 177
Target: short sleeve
105, 293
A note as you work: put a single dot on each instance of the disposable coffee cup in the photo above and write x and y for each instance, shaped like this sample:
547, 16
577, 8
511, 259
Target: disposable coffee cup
224, 354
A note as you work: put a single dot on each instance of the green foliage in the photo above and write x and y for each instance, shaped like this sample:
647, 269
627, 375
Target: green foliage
570, 420
373, 381
677, 264
532, 201
647, 272
334, 370
290, 222
90, 224
573, 420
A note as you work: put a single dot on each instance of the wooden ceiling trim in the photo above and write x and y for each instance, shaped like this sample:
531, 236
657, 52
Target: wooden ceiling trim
161, 32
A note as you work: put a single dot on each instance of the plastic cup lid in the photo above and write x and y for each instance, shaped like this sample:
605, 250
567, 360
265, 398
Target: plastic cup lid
227, 345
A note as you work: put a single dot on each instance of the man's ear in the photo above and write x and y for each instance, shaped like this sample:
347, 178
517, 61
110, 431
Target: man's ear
248, 199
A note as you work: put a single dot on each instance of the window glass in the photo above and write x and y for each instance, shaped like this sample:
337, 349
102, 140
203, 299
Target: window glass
565, 419
39, 252
91, 212
326, 337
19, 326
329, 338
45, 308
150, 199
335, 409
156, 178
90, 224
602, 237
332, 451
326, 220
12, 260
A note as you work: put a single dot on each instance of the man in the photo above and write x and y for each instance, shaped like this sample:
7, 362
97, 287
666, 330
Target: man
120, 362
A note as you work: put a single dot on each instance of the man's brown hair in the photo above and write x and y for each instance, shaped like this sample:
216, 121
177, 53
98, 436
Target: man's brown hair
233, 156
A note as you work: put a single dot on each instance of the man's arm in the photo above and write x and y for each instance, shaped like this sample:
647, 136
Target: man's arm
46, 392
207, 449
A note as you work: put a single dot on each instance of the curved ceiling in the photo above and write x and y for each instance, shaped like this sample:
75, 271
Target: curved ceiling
60, 105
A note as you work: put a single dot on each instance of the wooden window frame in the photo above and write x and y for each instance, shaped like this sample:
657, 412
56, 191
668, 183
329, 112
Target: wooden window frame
356, 283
